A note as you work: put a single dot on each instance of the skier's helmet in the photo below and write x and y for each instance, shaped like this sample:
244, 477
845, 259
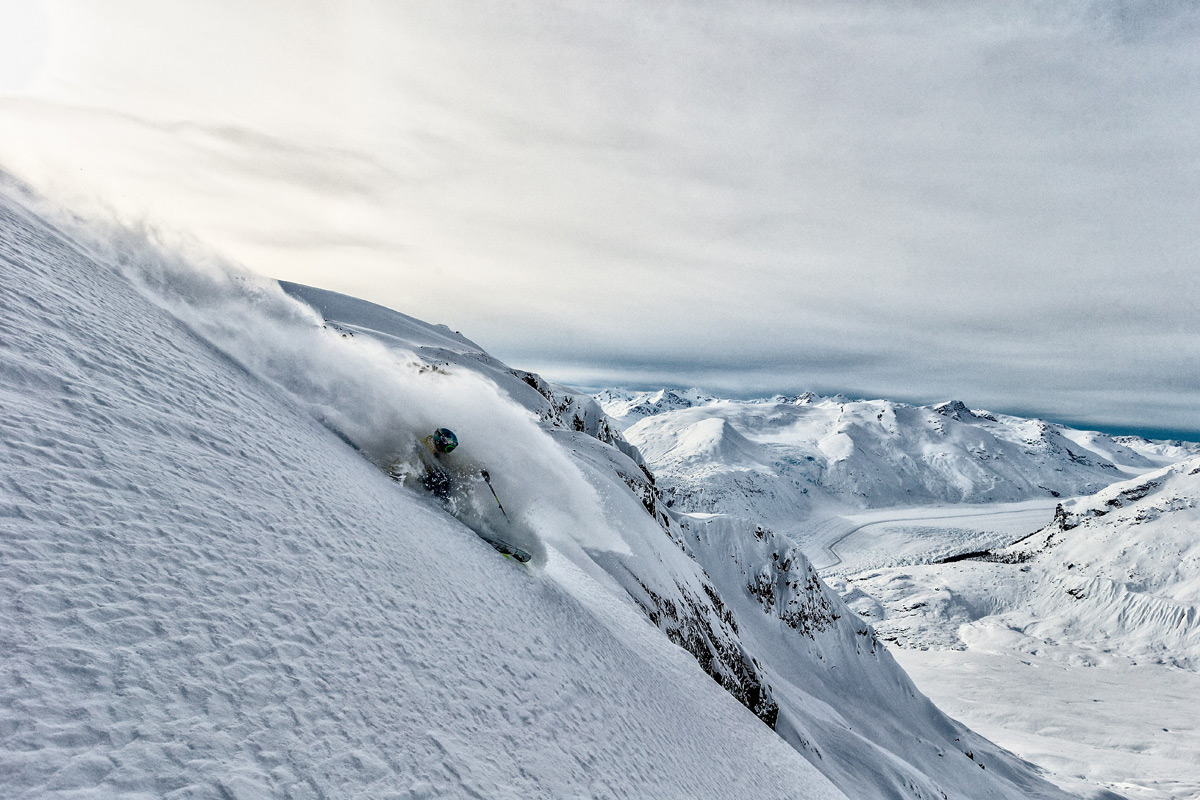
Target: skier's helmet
444, 440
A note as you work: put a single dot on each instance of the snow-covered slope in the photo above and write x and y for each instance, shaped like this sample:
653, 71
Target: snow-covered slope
1123, 567
206, 593
702, 583
783, 458
1116, 573
212, 588
439, 347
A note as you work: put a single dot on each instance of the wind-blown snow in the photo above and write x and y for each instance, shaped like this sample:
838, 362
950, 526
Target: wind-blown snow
380, 395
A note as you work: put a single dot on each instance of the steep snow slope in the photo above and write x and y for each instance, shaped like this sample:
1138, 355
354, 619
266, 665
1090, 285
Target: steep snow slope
438, 347
785, 458
841, 699
213, 589
207, 594
675, 594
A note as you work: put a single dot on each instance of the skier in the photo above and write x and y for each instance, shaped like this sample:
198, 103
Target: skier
437, 478
439, 482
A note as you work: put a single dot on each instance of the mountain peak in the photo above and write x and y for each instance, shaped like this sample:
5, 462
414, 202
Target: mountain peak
956, 409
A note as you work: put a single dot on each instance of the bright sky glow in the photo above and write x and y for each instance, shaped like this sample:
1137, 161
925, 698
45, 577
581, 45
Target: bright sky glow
987, 201
24, 42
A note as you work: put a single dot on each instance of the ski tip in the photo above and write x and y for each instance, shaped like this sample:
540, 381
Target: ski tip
518, 554
507, 550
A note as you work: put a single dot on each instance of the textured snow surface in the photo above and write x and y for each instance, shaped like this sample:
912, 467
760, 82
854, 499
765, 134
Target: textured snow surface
206, 593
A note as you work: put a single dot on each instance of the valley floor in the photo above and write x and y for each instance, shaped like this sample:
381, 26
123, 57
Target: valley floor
1095, 721
1129, 728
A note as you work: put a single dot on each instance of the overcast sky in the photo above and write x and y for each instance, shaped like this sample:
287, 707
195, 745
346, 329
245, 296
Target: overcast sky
997, 202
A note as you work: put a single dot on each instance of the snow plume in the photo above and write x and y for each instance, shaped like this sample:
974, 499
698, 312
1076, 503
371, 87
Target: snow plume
381, 399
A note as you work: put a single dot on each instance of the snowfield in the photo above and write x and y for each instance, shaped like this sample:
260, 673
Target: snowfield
214, 587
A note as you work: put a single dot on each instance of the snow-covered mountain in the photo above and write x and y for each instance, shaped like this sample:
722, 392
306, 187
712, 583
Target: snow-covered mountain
213, 585
1086, 634
783, 458
1117, 572
625, 407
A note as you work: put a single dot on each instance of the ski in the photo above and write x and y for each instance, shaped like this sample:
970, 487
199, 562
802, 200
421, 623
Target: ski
507, 549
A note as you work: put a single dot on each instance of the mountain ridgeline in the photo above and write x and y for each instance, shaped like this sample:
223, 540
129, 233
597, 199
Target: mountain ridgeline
785, 458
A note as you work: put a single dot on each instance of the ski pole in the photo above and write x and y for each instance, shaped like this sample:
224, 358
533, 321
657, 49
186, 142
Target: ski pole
488, 480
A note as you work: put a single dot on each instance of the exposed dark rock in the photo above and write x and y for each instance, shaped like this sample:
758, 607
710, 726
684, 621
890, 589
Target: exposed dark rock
719, 652
798, 600
956, 409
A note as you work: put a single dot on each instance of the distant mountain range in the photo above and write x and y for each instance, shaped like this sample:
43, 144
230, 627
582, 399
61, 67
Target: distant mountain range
785, 458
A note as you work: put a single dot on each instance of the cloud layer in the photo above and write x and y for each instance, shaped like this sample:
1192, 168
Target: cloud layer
913, 200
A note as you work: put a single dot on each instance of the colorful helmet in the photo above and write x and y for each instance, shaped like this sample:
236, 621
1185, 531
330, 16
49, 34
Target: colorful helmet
444, 440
